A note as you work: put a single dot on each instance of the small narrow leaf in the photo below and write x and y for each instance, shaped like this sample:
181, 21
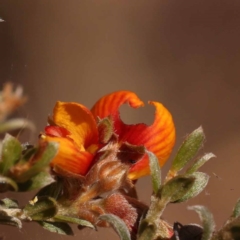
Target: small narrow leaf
57, 227
188, 150
236, 210
207, 221
118, 225
7, 184
41, 209
78, 221
201, 180
155, 171
176, 188
200, 162
11, 152
9, 203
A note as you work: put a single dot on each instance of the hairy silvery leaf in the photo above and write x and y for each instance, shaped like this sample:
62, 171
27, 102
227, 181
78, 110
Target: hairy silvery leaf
201, 180
206, 219
11, 153
176, 188
188, 149
41, 208
81, 222
155, 171
200, 162
7, 184
118, 225
57, 227
9, 203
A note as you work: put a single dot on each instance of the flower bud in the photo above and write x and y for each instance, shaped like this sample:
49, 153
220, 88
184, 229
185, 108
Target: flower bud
112, 175
117, 204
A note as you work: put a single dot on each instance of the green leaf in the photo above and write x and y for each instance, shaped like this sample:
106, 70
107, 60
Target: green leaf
155, 171
43, 158
207, 221
188, 149
41, 208
200, 162
81, 222
201, 180
7, 184
9, 203
57, 227
236, 210
176, 188
11, 152
118, 225
41, 180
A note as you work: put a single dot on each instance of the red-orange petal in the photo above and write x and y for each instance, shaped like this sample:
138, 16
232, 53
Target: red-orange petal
158, 138
69, 157
109, 104
79, 121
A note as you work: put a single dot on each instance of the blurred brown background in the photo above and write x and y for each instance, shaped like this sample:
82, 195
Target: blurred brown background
185, 54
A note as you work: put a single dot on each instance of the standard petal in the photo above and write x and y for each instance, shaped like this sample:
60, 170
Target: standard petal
69, 157
79, 121
109, 104
158, 138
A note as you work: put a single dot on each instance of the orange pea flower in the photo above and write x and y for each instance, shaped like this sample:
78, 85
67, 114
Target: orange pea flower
75, 128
